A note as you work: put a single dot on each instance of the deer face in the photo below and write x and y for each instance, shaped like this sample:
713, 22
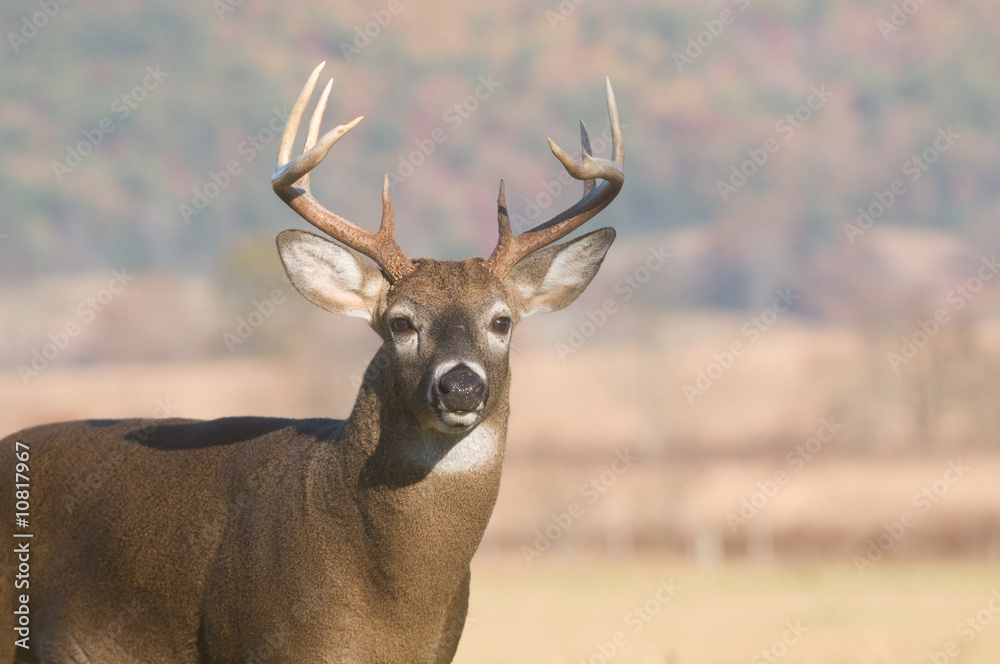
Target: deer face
446, 326
447, 331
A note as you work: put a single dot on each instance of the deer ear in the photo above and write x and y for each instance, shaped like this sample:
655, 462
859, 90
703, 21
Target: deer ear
331, 276
551, 278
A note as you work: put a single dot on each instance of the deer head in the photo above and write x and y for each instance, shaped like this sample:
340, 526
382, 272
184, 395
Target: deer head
446, 326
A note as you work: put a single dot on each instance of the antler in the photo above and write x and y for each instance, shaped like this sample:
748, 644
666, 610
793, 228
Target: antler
510, 248
291, 182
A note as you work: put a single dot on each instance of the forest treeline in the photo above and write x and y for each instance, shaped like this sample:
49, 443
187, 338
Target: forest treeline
144, 137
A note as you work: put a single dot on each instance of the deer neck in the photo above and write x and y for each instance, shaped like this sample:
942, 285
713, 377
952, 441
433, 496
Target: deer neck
425, 496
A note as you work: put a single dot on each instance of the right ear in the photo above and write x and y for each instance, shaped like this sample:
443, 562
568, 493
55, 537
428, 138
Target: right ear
331, 276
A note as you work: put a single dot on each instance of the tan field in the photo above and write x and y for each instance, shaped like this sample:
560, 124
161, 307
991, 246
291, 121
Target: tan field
554, 613
804, 446
800, 510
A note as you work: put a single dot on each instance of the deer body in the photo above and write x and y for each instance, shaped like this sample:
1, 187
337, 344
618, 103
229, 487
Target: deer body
247, 540
279, 558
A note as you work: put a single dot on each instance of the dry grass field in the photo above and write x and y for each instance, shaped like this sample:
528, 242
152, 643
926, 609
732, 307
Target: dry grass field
654, 571
552, 613
695, 464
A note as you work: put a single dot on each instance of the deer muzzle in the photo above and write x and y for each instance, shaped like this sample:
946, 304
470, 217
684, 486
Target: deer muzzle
461, 390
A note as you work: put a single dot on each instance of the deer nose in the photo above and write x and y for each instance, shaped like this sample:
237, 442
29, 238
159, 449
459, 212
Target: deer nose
462, 390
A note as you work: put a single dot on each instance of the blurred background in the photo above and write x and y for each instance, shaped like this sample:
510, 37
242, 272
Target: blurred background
776, 400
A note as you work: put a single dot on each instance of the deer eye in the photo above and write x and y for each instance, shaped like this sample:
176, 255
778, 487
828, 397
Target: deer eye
401, 326
501, 325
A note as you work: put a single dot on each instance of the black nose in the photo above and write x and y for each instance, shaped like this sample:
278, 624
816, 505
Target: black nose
462, 390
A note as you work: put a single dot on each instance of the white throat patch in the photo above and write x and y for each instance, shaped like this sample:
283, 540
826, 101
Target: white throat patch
477, 449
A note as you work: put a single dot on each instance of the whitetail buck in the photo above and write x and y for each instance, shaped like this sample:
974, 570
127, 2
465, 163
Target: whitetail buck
247, 540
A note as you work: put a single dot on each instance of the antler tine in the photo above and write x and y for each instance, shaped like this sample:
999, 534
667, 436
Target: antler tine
292, 126
314, 124
511, 249
505, 234
588, 185
291, 182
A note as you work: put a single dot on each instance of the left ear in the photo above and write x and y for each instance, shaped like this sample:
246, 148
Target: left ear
551, 278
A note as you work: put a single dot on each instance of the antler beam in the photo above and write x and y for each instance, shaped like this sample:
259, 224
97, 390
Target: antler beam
510, 248
291, 182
